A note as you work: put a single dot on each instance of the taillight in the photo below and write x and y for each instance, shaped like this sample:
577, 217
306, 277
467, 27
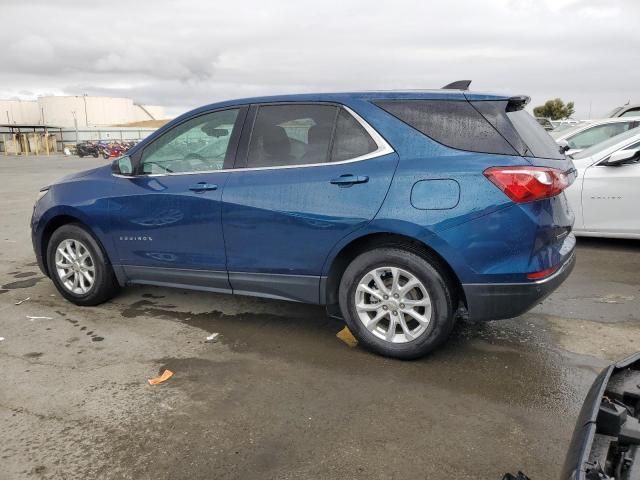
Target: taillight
526, 184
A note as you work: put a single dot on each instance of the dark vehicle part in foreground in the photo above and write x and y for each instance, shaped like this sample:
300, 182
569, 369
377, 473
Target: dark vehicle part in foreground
606, 440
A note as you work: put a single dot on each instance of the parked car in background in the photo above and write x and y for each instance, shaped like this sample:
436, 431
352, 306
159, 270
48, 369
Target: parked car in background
625, 111
561, 126
545, 123
393, 209
606, 195
578, 138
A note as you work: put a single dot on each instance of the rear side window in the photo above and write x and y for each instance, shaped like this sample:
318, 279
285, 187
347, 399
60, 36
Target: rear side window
305, 134
285, 135
351, 139
452, 123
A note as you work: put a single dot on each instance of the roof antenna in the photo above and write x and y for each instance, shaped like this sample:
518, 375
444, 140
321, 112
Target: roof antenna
458, 85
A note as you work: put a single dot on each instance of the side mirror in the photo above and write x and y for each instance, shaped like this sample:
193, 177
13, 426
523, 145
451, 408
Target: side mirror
621, 157
122, 166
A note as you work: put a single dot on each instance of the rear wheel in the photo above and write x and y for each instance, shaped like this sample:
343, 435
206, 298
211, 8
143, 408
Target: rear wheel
79, 268
396, 303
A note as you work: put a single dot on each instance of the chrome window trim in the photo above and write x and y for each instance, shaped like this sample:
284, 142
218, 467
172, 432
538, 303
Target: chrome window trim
383, 149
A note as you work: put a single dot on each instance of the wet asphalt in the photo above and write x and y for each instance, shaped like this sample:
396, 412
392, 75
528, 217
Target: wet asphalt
279, 396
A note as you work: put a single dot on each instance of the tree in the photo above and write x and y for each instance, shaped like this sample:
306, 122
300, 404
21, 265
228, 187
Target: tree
554, 109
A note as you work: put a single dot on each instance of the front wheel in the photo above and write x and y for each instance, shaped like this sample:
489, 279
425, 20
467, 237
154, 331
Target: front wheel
396, 303
79, 268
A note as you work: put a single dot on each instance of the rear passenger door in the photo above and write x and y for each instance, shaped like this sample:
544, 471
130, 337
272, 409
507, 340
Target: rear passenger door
306, 176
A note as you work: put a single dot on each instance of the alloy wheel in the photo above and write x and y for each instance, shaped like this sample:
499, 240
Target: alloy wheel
75, 266
393, 304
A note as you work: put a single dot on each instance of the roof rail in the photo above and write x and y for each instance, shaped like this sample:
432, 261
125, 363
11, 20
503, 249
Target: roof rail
458, 85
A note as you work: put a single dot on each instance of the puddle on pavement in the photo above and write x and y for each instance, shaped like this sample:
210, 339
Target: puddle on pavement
26, 283
510, 361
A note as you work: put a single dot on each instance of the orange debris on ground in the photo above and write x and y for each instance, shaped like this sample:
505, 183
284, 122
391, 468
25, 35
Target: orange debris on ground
166, 375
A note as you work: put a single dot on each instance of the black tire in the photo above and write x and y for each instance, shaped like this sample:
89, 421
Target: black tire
81, 155
442, 308
105, 285
95, 155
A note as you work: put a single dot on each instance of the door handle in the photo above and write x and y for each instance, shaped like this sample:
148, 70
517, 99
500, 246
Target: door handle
203, 187
348, 180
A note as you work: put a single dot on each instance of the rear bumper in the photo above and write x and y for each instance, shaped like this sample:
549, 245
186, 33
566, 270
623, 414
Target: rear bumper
496, 301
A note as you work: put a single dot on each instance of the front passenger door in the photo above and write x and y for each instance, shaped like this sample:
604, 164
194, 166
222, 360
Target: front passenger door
166, 220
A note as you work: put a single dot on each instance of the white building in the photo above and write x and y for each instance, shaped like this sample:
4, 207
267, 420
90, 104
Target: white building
87, 111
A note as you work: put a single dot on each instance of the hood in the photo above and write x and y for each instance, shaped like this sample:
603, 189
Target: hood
82, 174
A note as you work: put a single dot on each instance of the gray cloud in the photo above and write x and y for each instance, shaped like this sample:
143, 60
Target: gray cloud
184, 54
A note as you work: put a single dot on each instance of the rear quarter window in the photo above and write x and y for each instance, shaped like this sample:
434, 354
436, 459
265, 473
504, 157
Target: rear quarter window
456, 124
480, 126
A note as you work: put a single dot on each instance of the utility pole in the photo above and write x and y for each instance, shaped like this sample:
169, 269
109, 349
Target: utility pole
86, 116
75, 124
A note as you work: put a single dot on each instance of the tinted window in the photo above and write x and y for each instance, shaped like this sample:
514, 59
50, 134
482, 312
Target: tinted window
351, 139
539, 143
286, 135
598, 133
199, 144
455, 124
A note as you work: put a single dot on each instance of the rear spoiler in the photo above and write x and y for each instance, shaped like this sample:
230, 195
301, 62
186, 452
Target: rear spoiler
517, 103
513, 105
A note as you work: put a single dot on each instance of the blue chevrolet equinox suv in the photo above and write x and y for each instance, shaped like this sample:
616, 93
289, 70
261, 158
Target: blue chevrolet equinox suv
399, 211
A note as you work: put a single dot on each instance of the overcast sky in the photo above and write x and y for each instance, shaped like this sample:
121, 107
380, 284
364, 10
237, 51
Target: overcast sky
182, 54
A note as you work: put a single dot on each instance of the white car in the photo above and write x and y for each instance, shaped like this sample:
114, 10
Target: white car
625, 111
583, 136
605, 197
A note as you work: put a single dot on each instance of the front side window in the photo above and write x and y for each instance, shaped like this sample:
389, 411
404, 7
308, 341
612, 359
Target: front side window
197, 145
598, 134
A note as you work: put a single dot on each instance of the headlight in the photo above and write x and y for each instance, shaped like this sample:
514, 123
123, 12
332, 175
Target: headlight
42, 193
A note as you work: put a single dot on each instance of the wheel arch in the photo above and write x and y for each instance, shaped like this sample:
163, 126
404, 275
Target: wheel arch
58, 221
385, 239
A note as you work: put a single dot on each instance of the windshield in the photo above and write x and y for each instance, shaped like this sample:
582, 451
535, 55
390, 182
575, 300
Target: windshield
599, 147
565, 129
